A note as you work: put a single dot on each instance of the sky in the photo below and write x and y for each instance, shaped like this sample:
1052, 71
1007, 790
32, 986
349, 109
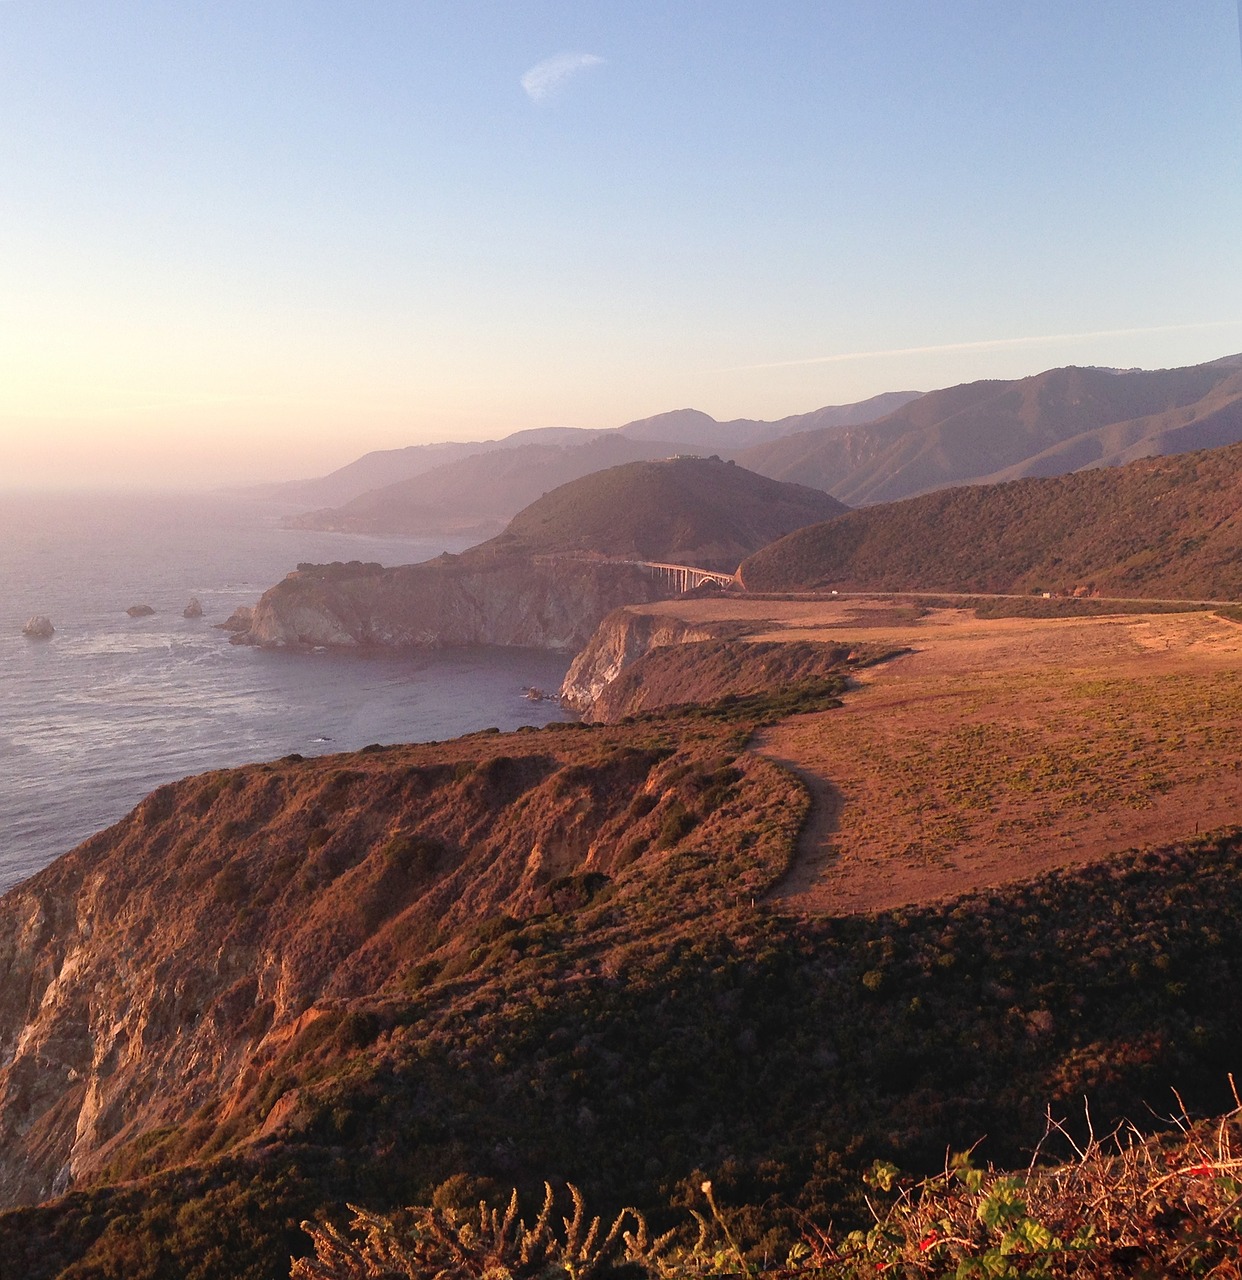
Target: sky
245, 240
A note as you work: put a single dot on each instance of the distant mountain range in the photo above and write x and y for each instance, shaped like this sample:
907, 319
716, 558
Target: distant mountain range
383, 467
477, 488
893, 446
478, 494
1166, 527
984, 432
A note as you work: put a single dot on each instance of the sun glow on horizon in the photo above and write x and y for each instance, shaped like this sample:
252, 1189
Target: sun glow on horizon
239, 248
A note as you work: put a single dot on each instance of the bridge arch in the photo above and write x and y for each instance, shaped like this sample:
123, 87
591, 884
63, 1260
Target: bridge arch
685, 577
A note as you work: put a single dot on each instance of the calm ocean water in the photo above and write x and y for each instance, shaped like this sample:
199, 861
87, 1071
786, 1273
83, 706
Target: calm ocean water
111, 707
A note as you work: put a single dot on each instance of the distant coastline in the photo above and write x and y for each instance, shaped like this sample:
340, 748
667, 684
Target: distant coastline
113, 706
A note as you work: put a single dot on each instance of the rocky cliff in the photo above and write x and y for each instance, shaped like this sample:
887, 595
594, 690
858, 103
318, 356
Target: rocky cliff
542, 602
622, 638
182, 978
651, 660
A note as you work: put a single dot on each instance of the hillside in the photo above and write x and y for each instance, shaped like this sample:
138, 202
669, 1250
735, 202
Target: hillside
1057, 421
382, 467
1157, 528
432, 972
480, 493
700, 511
547, 581
836, 913
478, 487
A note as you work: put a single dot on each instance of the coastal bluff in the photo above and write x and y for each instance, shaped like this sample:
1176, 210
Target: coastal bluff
544, 602
621, 639
560, 567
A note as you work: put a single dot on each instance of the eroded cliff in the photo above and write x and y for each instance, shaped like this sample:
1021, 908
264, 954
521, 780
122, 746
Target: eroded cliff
176, 979
542, 602
622, 638
642, 660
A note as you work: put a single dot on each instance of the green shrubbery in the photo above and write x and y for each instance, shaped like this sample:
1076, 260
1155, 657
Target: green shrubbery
1152, 1210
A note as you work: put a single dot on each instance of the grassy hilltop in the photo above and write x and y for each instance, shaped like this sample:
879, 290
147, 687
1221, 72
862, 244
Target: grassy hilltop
699, 511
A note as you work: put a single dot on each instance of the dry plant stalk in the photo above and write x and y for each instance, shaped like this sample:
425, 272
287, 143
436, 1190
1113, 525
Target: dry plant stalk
429, 1243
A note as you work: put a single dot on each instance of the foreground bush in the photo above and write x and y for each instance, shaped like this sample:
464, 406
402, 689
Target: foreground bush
448, 1243
1124, 1207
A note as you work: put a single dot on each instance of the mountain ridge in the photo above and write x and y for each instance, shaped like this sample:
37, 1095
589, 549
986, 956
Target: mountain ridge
480, 487
990, 430
1168, 526
895, 445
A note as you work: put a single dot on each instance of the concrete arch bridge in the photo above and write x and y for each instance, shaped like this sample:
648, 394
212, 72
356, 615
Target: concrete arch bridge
685, 577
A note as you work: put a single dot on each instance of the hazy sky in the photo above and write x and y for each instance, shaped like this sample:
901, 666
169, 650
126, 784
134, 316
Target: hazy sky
255, 239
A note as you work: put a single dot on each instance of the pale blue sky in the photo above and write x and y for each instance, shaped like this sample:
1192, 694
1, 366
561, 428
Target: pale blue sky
257, 239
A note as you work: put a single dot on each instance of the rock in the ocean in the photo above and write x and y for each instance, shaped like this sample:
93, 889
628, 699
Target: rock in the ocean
193, 610
140, 611
39, 628
239, 620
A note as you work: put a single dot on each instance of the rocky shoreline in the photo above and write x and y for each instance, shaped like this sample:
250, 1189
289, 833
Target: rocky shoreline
535, 602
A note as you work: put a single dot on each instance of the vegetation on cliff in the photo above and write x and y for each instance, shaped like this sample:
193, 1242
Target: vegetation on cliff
674, 675
1160, 527
429, 974
1122, 1207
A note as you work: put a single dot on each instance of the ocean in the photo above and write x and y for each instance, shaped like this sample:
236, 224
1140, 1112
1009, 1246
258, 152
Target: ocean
112, 706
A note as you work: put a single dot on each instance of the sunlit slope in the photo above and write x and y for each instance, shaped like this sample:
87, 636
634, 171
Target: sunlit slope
1161, 527
1056, 421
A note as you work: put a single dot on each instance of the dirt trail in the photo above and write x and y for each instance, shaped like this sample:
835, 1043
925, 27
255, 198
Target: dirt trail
1000, 749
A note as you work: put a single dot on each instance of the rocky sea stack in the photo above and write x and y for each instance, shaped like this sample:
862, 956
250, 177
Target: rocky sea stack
194, 609
140, 610
39, 628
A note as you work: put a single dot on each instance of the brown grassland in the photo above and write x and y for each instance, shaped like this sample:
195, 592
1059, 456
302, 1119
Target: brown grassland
998, 748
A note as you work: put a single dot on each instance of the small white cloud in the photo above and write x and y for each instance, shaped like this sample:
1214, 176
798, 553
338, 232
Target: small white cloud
548, 77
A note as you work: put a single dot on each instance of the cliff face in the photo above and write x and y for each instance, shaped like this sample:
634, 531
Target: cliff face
187, 972
621, 639
544, 602
640, 661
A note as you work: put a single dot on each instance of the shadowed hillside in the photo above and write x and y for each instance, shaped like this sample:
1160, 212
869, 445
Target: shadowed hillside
698, 511
433, 972
1161, 527
1054, 422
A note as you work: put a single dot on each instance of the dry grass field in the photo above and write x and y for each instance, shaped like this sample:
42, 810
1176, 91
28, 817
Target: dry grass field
997, 749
